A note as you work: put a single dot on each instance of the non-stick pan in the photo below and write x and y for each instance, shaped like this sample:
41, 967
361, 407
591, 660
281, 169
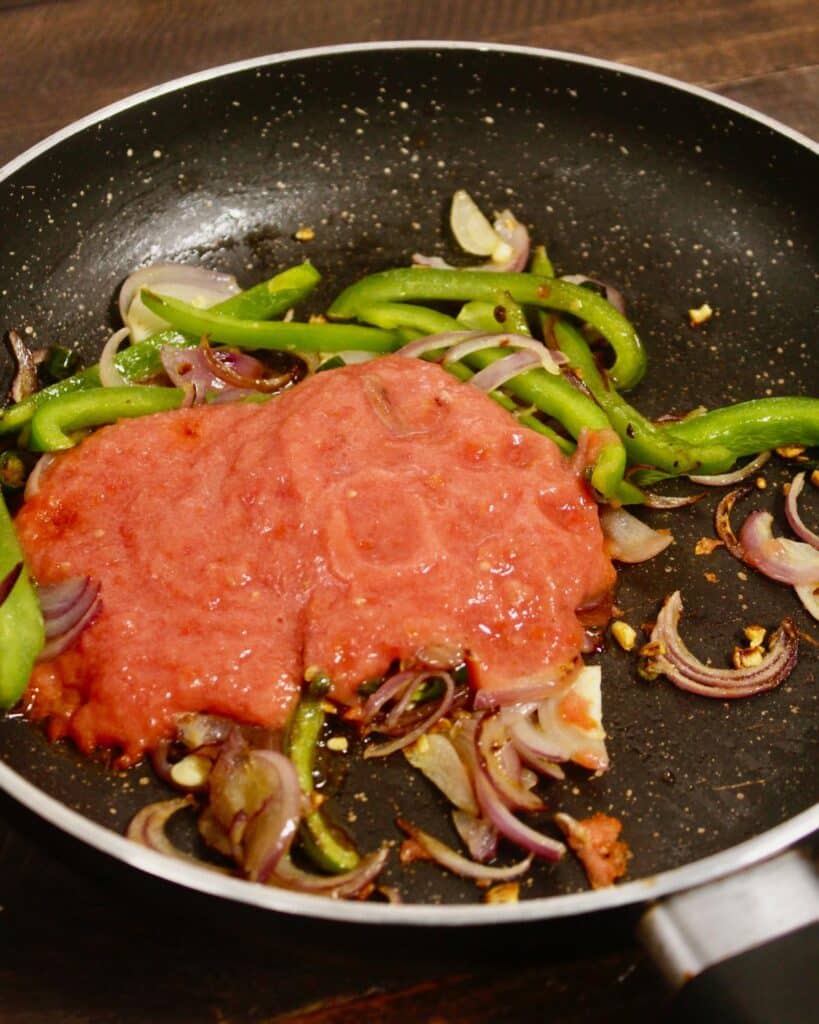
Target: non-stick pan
674, 194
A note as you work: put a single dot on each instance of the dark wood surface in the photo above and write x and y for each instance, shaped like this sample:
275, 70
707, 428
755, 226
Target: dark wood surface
86, 940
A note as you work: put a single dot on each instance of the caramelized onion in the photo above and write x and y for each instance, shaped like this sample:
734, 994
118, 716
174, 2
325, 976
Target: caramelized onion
459, 865
350, 883
147, 827
722, 521
427, 721
674, 660
494, 748
478, 835
25, 381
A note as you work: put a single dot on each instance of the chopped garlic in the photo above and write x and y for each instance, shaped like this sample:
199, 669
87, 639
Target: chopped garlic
705, 545
791, 451
509, 892
624, 634
305, 235
755, 635
191, 772
701, 315
747, 657
338, 743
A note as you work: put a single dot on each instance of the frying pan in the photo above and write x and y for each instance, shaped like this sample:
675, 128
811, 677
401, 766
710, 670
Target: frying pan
674, 194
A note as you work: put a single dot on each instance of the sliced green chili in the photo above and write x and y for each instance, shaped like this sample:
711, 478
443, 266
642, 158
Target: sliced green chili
406, 316
325, 845
287, 337
644, 442
754, 426
431, 285
21, 621
540, 263
55, 421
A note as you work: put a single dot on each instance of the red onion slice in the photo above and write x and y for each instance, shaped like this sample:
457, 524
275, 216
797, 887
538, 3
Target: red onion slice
792, 512
147, 828
549, 360
9, 581
629, 539
510, 230
67, 607
458, 864
788, 561
196, 285
350, 883
502, 370
808, 594
507, 824
612, 295
735, 477
443, 705
110, 377
684, 669
433, 342
35, 476
492, 741
25, 380
668, 501
478, 835
269, 833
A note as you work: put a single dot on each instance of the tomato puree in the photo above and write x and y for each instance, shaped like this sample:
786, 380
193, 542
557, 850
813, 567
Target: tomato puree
376, 513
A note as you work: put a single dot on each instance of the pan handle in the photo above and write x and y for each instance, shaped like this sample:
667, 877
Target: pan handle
743, 949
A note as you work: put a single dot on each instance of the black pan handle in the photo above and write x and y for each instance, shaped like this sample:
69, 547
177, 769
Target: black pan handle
743, 949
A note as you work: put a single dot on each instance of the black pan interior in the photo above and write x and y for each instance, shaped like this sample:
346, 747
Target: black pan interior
676, 199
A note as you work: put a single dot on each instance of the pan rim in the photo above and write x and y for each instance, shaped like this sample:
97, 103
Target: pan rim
212, 883
267, 60
200, 879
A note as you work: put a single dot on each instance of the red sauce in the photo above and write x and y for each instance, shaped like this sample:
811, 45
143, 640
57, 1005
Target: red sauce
380, 512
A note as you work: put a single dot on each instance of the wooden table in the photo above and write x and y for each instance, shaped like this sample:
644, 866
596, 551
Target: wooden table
84, 939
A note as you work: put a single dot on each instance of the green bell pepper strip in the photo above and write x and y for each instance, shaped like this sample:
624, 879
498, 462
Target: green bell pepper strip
407, 317
54, 421
430, 285
644, 442
323, 844
748, 428
286, 337
141, 361
504, 315
21, 621
540, 263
